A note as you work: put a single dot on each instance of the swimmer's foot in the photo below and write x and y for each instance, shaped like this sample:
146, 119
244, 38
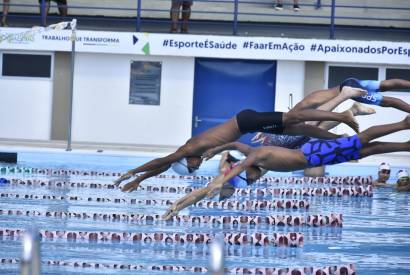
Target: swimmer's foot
122, 178
350, 92
361, 110
351, 120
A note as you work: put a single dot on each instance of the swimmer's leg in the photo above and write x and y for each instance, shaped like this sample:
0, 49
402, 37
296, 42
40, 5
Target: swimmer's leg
382, 130
376, 147
357, 109
345, 94
303, 129
296, 117
317, 98
397, 103
391, 84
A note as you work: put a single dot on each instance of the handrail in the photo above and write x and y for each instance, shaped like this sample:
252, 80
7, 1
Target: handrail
315, 9
30, 260
216, 255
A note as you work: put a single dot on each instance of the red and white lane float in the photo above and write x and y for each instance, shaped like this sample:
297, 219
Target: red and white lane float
227, 204
290, 239
347, 269
332, 219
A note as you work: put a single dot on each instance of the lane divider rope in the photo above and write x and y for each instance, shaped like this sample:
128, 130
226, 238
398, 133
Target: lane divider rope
347, 269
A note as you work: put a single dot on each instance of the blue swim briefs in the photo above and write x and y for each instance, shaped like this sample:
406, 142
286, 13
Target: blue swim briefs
320, 152
373, 97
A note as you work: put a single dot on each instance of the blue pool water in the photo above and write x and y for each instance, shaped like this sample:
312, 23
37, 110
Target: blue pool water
374, 237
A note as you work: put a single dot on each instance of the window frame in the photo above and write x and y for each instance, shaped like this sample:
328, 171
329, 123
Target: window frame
51, 54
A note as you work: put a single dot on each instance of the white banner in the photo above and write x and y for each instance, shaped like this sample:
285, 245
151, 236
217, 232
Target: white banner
353, 51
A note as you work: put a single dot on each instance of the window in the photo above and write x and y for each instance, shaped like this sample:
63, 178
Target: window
338, 73
145, 83
398, 73
26, 65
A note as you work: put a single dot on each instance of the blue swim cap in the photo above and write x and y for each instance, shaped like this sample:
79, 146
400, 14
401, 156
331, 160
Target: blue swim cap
238, 182
4, 181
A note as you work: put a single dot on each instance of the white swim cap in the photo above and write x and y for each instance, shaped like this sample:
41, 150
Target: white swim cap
384, 166
402, 173
181, 167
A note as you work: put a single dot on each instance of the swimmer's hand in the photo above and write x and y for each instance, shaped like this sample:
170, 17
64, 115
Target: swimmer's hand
208, 154
126, 176
213, 192
131, 186
171, 212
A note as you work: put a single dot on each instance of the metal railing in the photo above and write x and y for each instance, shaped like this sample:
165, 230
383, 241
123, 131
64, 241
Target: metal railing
30, 263
235, 12
216, 255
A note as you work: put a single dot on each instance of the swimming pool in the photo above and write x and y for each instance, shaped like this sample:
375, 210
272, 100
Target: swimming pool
374, 236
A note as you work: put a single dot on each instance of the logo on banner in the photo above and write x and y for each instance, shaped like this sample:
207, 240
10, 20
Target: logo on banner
17, 38
134, 40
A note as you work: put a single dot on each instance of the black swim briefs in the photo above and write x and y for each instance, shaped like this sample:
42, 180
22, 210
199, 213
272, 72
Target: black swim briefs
250, 121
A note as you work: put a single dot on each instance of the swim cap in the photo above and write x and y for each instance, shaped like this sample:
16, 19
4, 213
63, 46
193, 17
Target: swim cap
384, 166
238, 182
4, 181
181, 167
402, 174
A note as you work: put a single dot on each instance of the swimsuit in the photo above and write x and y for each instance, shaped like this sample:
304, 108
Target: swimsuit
237, 181
285, 141
250, 121
373, 97
320, 152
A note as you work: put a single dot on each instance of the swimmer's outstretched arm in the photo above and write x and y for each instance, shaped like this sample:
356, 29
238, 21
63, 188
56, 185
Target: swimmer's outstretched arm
154, 164
210, 191
132, 185
195, 196
243, 148
186, 201
219, 181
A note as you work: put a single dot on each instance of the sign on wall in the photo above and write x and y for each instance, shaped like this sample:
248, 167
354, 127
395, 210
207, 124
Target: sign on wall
145, 83
262, 48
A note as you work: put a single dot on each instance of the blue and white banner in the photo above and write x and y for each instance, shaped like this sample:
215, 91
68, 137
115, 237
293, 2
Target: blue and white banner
40, 39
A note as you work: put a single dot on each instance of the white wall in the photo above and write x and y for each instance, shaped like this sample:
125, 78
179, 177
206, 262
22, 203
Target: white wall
290, 78
101, 109
26, 105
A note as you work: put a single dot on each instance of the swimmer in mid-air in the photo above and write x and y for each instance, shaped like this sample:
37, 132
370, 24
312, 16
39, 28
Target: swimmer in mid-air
312, 154
247, 121
374, 95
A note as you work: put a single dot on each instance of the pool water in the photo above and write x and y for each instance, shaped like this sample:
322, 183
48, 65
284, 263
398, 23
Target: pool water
374, 236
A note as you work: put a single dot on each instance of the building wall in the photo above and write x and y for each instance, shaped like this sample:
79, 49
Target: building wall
101, 109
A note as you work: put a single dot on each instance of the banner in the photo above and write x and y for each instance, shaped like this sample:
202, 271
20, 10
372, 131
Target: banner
261, 48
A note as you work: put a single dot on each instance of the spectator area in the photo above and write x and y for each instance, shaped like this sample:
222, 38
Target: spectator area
377, 13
